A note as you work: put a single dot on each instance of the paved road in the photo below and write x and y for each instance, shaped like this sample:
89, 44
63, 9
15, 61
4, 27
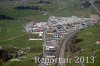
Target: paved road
62, 50
92, 3
66, 40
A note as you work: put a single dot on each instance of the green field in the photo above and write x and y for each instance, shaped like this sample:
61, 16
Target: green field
89, 37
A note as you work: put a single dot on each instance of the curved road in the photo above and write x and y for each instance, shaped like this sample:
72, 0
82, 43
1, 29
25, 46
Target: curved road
66, 41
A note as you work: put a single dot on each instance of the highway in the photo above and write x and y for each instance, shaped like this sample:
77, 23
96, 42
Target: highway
66, 41
92, 3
